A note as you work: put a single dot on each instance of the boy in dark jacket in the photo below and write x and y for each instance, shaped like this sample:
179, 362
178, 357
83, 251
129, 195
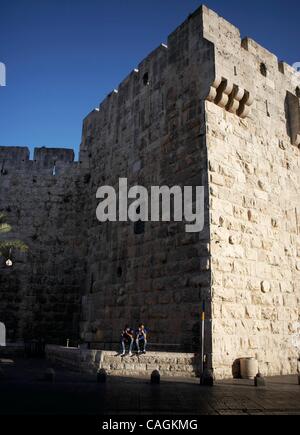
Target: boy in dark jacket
141, 338
127, 338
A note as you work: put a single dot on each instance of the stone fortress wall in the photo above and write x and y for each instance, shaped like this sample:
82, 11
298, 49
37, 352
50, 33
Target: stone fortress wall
151, 130
42, 199
207, 108
253, 127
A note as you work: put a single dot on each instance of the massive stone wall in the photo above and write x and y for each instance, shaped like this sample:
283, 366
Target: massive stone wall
151, 130
252, 132
254, 176
206, 109
42, 199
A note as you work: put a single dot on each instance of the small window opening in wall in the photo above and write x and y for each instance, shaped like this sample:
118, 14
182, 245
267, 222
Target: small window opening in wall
235, 71
139, 226
54, 169
298, 91
119, 272
146, 79
91, 283
263, 69
267, 109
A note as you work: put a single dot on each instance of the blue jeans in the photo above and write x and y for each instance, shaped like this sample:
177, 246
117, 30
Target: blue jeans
124, 341
141, 342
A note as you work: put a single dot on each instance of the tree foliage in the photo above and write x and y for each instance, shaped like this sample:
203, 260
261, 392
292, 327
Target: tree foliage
6, 244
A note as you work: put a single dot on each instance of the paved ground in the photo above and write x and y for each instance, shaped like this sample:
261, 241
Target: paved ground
23, 391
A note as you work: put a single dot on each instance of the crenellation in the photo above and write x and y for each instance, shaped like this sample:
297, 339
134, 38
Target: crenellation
48, 156
223, 34
8, 163
14, 154
148, 64
260, 53
40, 154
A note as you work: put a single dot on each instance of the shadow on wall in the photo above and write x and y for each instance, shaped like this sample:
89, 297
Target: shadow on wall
236, 369
292, 114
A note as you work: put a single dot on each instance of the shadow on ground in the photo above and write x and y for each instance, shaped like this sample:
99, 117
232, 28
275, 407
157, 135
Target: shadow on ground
23, 391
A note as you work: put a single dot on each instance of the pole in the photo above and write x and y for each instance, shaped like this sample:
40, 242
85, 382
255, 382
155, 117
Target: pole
203, 335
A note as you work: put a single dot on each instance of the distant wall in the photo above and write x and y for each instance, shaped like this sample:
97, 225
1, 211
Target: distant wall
43, 201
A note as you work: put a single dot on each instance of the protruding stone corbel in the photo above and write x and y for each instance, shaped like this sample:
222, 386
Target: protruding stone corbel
223, 93
235, 98
245, 105
213, 89
230, 96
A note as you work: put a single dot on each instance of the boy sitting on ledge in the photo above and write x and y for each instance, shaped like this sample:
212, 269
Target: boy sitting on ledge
127, 337
141, 339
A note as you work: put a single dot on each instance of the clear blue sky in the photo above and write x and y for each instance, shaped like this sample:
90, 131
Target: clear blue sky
64, 56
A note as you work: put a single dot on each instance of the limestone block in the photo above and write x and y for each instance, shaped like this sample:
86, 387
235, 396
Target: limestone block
268, 313
152, 367
227, 295
286, 287
217, 179
253, 312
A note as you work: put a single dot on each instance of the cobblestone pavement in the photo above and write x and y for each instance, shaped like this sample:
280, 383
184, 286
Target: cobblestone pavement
23, 391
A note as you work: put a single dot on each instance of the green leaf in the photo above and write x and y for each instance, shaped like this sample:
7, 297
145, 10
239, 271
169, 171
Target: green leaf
7, 245
5, 228
13, 244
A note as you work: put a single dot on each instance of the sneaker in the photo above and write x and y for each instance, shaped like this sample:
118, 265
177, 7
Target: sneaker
130, 354
122, 355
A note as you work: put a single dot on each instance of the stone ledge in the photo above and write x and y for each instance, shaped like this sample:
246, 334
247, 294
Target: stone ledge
90, 361
12, 350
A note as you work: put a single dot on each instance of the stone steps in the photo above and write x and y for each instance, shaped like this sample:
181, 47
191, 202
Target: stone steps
90, 361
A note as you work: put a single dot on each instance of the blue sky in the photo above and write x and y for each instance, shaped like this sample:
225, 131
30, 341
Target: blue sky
64, 56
